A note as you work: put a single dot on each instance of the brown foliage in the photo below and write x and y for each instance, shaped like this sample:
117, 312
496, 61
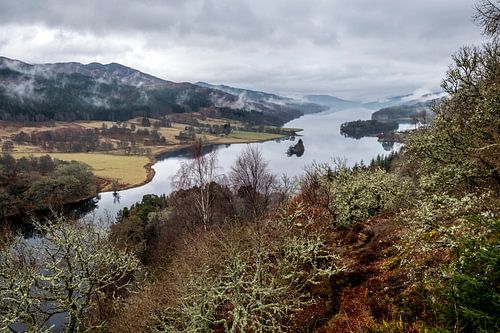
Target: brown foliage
210, 250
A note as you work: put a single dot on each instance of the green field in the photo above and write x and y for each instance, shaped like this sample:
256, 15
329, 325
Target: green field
293, 129
254, 136
128, 170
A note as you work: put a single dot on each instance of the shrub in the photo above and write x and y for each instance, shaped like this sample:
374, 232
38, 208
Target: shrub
472, 291
239, 278
355, 196
254, 285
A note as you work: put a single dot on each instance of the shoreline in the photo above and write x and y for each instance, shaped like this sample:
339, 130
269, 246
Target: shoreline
154, 158
150, 172
107, 181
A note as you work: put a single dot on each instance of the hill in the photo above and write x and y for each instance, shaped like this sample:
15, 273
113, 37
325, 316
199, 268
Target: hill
338, 104
252, 96
332, 102
407, 112
74, 91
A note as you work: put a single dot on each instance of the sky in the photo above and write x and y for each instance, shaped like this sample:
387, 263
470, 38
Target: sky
355, 49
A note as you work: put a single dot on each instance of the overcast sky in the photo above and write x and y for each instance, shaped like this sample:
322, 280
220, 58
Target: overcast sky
358, 49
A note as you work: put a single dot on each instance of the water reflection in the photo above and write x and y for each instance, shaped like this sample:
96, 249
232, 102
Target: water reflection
116, 197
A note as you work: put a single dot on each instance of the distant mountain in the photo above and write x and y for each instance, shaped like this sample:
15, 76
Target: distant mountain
332, 102
338, 104
252, 96
71, 91
407, 112
403, 99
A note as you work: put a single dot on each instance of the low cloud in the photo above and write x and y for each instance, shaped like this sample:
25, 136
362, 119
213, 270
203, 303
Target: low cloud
353, 49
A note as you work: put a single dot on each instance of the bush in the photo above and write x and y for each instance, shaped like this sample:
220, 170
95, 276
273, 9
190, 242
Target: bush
460, 147
237, 278
253, 285
472, 290
64, 273
355, 196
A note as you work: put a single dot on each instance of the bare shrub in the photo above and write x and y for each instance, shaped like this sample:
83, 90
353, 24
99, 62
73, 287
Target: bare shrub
199, 172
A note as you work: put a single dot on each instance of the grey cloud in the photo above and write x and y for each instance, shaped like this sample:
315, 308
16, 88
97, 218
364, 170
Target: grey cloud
351, 48
232, 20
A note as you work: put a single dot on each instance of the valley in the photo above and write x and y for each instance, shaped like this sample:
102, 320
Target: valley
332, 170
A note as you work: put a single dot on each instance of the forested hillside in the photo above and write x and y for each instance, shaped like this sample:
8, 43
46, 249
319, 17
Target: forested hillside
73, 91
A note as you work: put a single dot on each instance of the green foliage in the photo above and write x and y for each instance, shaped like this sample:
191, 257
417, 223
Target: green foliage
472, 290
149, 204
133, 229
355, 196
452, 250
384, 162
31, 184
461, 145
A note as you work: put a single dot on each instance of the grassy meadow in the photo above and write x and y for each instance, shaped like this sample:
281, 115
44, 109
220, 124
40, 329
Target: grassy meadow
128, 170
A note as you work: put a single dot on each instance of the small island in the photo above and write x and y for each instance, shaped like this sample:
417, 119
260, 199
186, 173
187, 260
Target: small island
360, 128
297, 149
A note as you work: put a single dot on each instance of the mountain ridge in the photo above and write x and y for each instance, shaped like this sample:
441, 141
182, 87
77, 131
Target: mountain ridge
71, 90
338, 104
264, 97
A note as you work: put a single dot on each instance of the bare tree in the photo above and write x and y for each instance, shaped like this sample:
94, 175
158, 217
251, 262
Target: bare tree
252, 180
199, 172
487, 16
7, 146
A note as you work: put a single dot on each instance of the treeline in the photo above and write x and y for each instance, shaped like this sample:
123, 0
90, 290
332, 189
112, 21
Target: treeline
70, 139
227, 128
255, 117
31, 184
77, 139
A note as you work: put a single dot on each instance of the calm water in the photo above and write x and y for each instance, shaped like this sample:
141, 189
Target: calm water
322, 141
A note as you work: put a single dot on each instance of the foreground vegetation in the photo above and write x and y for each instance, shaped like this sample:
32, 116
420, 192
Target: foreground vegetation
407, 244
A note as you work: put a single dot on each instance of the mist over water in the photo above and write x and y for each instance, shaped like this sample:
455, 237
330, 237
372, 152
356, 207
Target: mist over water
322, 141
